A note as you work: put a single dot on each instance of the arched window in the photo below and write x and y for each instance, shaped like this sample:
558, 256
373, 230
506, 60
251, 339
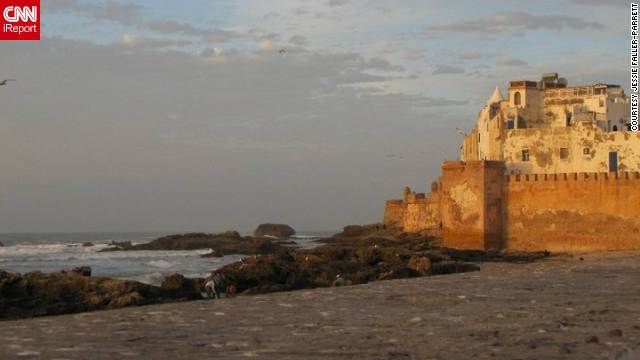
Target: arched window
516, 98
615, 127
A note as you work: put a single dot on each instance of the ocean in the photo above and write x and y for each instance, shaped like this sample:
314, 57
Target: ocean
48, 252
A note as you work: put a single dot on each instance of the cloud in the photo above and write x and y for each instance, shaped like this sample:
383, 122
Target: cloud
516, 22
337, 2
413, 54
512, 62
150, 43
447, 69
129, 14
474, 55
298, 40
614, 3
126, 14
174, 27
110, 128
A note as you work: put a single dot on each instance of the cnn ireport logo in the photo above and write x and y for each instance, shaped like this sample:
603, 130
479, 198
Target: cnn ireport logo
19, 19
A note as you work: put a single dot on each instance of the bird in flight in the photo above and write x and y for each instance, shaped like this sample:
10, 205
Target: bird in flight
282, 51
4, 82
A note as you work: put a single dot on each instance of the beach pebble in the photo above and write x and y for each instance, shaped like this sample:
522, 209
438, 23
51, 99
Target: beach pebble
591, 340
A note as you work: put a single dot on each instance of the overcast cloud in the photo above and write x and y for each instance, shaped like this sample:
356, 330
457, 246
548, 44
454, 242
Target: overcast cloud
207, 116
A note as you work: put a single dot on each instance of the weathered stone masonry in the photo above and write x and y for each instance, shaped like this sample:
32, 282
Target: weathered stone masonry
481, 208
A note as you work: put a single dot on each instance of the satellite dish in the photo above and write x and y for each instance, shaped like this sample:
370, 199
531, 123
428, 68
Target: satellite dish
562, 81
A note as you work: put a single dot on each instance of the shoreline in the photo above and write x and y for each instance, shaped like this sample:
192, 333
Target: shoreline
362, 254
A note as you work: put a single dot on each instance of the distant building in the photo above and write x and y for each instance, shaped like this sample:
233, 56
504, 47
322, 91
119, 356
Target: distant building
547, 127
551, 167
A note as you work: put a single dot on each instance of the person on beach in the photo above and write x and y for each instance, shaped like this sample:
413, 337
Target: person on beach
209, 288
339, 281
218, 284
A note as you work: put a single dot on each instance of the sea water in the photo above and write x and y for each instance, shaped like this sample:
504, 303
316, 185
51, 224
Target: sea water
48, 252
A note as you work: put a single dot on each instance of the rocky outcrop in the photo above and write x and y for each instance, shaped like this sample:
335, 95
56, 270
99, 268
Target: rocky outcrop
82, 270
192, 241
360, 255
222, 244
280, 231
247, 246
37, 293
1, 244
182, 287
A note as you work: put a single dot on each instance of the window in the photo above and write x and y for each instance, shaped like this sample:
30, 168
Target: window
569, 115
525, 155
613, 161
615, 127
510, 124
564, 153
586, 151
517, 98
601, 102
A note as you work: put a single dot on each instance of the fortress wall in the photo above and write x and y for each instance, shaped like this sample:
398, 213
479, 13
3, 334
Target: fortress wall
471, 210
572, 212
423, 214
393, 213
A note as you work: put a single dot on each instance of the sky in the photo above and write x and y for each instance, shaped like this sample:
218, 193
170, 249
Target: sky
208, 115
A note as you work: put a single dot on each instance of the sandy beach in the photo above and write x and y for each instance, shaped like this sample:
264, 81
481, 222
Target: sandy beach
563, 307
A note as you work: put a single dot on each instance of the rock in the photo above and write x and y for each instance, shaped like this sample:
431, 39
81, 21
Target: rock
87, 244
591, 340
615, 333
375, 253
226, 243
422, 265
359, 230
183, 287
635, 327
279, 231
191, 241
64, 292
1, 244
82, 270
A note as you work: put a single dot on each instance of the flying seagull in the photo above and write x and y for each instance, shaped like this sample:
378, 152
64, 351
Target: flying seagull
4, 82
282, 51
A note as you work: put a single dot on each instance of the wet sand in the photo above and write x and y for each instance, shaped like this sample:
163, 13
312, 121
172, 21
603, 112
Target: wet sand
557, 308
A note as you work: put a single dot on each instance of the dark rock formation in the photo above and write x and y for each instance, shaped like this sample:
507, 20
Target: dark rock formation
183, 287
87, 244
279, 231
360, 254
37, 293
222, 244
82, 270
1, 244
248, 246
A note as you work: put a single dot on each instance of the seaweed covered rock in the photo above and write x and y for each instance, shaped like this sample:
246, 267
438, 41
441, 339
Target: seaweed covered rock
182, 287
280, 231
360, 255
190, 241
229, 242
64, 292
